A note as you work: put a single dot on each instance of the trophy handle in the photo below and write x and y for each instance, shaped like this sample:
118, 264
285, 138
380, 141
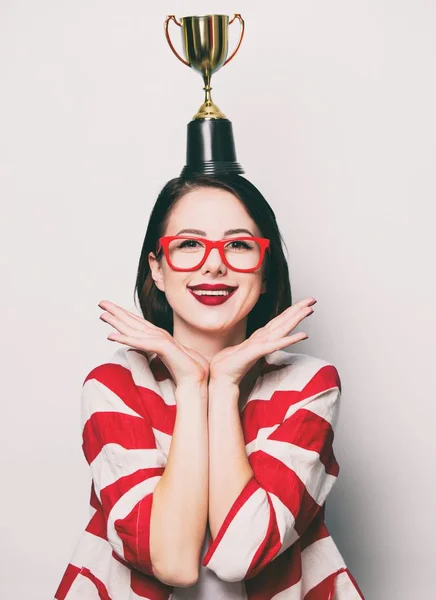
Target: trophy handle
242, 24
167, 35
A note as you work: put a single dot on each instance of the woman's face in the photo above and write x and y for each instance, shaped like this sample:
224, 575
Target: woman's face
211, 211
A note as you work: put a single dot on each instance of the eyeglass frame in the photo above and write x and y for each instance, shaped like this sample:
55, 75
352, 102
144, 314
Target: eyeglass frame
165, 240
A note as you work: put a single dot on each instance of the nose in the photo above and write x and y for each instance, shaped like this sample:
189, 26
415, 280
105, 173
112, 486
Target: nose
214, 261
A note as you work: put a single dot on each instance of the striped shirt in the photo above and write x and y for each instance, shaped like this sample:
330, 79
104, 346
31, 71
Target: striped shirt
273, 543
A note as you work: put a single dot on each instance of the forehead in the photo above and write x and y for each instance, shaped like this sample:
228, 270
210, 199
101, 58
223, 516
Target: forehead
211, 210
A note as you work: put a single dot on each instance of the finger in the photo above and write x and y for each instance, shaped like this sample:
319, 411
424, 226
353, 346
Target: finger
121, 324
128, 340
293, 339
301, 305
309, 301
139, 318
121, 313
289, 321
142, 343
293, 323
291, 310
286, 341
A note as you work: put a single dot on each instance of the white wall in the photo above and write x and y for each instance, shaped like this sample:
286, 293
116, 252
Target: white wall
333, 109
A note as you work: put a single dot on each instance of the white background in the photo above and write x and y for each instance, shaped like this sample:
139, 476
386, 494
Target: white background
333, 110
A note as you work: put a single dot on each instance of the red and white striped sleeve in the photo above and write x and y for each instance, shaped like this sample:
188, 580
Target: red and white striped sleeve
294, 470
120, 448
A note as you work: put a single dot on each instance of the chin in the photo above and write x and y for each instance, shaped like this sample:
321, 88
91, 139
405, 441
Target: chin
212, 326
207, 323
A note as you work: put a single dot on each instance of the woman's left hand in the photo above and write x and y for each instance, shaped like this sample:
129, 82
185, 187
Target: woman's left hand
232, 363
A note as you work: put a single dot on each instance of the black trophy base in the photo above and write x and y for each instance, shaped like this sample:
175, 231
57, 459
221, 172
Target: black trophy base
210, 149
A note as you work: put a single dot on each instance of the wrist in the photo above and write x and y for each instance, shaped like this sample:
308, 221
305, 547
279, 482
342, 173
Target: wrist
189, 387
222, 386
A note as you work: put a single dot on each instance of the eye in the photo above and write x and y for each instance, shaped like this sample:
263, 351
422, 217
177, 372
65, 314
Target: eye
188, 244
240, 244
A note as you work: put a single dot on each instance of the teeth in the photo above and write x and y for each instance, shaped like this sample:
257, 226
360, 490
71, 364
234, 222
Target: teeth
211, 293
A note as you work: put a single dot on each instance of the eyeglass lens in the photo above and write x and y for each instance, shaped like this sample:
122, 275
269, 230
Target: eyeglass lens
187, 253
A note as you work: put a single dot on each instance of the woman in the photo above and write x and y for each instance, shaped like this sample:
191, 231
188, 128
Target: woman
210, 447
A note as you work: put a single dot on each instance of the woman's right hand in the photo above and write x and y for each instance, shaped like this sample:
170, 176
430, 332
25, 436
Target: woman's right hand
185, 364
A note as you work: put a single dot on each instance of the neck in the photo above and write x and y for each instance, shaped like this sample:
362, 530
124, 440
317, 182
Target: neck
205, 342
208, 344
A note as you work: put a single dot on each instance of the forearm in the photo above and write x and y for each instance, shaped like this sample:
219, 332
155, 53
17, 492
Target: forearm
229, 468
180, 499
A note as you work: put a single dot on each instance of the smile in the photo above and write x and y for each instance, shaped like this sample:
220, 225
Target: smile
212, 298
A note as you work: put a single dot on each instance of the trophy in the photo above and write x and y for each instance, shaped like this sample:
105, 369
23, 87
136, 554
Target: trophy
210, 145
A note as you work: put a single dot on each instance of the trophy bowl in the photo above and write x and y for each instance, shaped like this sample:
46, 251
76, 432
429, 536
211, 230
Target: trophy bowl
205, 46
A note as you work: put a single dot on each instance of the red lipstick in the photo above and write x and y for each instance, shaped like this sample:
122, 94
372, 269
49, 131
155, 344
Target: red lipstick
212, 300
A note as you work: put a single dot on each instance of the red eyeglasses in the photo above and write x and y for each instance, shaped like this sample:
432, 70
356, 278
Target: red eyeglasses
242, 254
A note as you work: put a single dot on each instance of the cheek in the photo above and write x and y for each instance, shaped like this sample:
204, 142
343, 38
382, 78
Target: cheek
251, 290
257, 281
174, 284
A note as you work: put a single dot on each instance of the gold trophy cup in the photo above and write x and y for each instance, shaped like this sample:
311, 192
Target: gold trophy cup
205, 45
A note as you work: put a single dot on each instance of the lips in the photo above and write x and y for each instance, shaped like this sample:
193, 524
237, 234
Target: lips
212, 300
210, 286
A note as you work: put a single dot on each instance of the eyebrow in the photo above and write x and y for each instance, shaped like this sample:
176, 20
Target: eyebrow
228, 232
